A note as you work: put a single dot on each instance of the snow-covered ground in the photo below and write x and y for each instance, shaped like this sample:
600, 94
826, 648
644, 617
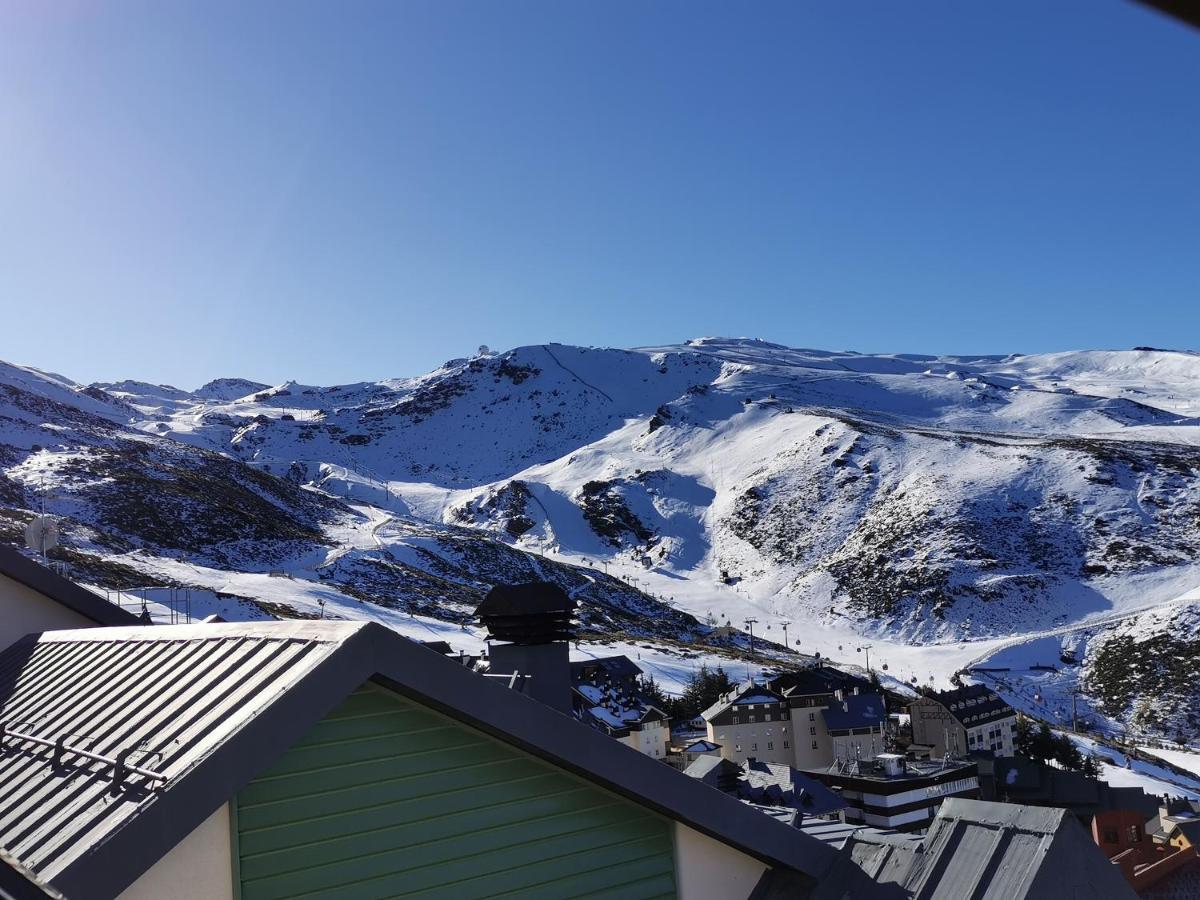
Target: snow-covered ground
930, 513
1125, 771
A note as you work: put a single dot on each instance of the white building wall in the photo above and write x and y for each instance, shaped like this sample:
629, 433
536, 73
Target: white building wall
764, 741
808, 725
24, 611
709, 870
200, 867
985, 737
651, 739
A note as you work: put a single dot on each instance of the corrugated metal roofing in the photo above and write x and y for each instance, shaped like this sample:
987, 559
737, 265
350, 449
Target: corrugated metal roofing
981, 851
218, 704
173, 694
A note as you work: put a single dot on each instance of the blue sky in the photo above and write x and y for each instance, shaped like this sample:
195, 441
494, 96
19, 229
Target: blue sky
335, 192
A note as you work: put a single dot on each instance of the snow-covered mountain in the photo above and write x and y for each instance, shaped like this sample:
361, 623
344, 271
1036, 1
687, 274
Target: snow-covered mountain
915, 501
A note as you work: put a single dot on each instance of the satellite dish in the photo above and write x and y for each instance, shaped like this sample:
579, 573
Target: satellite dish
41, 534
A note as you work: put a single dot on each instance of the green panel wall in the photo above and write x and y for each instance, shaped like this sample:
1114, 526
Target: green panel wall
385, 798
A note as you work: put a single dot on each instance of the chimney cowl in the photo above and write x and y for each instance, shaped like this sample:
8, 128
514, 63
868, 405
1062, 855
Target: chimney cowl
533, 613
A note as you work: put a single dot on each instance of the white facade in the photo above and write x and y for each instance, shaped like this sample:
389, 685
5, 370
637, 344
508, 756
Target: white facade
650, 738
25, 611
994, 736
709, 870
200, 867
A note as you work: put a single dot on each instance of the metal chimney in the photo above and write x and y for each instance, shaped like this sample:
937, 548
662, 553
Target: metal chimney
533, 623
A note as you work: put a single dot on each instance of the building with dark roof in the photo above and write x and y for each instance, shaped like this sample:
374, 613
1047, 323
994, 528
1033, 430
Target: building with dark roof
618, 669
335, 758
977, 850
963, 720
800, 730
1029, 782
770, 786
605, 694
34, 598
895, 793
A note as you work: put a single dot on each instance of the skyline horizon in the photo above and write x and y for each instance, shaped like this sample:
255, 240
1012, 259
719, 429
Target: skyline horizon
189, 387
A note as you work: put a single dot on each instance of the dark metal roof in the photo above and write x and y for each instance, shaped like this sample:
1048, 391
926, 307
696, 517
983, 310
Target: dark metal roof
985, 851
222, 702
618, 667
35, 576
169, 695
855, 711
974, 705
18, 883
819, 679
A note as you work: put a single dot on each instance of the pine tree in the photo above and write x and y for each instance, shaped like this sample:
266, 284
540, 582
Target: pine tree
1023, 739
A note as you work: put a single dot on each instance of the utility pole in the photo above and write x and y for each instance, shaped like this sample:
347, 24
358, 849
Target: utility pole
750, 623
867, 649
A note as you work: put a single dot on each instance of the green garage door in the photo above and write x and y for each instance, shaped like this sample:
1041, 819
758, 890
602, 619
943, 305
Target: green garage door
386, 798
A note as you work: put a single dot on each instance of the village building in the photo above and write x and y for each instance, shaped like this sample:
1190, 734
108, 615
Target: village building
895, 793
964, 720
606, 694
800, 721
697, 749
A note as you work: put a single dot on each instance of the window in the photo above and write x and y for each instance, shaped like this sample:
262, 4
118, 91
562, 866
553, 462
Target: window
750, 719
770, 745
754, 746
1110, 836
785, 745
812, 730
767, 717
737, 721
812, 717
814, 745
1135, 833
737, 748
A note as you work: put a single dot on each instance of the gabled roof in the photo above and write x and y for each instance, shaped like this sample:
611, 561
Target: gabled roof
219, 703
33, 575
985, 851
974, 705
746, 693
619, 667
778, 784
855, 711
819, 679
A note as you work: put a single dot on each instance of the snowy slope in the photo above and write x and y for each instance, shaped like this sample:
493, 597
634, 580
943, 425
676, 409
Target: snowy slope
916, 502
